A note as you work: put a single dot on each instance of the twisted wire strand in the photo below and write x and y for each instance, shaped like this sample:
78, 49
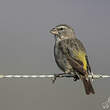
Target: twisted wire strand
92, 76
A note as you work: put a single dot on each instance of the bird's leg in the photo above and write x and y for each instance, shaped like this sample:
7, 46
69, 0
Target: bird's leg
75, 77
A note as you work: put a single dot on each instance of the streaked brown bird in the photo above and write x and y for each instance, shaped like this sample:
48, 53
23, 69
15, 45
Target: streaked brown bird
70, 55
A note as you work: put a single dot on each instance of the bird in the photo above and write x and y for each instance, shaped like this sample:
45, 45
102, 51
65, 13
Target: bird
71, 56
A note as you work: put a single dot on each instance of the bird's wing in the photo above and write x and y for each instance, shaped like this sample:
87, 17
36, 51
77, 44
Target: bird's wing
76, 55
88, 65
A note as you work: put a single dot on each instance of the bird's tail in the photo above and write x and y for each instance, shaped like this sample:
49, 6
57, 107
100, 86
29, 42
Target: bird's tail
88, 86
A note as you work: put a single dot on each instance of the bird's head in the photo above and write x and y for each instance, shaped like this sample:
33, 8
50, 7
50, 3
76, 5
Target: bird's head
63, 31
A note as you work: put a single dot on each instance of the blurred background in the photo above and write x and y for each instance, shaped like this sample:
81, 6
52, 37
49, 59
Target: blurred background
27, 46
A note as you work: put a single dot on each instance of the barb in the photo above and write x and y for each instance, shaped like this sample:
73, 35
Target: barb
92, 76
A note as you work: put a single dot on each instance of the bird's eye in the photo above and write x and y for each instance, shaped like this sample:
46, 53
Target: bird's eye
61, 29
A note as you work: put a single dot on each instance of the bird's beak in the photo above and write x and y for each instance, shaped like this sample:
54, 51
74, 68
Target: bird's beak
54, 31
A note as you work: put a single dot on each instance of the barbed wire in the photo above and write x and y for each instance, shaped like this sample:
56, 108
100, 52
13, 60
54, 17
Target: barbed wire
92, 76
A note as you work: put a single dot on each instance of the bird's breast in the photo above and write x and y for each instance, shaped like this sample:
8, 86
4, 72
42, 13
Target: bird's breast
60, 58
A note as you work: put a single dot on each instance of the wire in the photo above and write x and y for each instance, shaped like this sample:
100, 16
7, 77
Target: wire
92, 76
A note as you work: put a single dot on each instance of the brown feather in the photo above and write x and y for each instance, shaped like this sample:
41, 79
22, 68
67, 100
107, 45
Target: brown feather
88, 86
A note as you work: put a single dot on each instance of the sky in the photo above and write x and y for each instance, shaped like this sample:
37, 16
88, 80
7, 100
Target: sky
26, 47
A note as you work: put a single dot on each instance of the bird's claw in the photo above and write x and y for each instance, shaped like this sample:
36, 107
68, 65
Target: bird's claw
75, 78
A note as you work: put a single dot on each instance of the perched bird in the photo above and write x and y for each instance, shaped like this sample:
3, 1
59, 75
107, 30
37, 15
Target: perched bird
70, 55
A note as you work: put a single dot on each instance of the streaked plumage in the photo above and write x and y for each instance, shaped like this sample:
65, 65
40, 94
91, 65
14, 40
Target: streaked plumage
70, 55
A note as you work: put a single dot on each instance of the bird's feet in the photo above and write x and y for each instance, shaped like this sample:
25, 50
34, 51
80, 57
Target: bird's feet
75, 77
